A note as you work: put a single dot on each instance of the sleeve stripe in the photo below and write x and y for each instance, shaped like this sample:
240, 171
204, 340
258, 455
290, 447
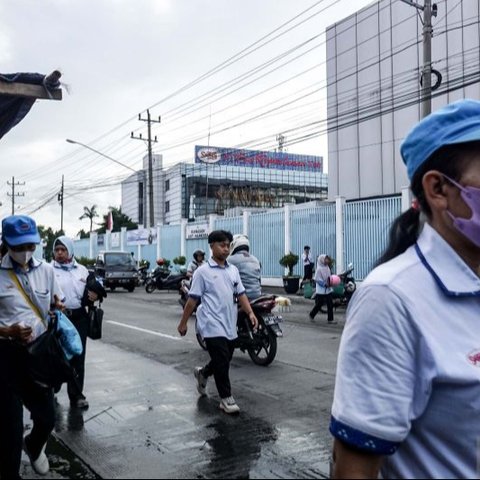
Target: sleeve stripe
196, 297
360, 440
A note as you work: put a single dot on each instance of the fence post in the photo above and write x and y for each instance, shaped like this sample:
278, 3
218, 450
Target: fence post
340, 244
123, 243
246, 222
287, 209
183, 237
406, 199
212, 219
93, 238
159, 240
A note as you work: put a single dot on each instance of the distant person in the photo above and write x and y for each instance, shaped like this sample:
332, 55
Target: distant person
308, 263
72, 278
219, 287
198, 261
323, 290
28, 292
248, 266
407, 391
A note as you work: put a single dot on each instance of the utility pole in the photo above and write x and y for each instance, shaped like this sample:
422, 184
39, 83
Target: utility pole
429, 10
150, 161
13, 194
60, 201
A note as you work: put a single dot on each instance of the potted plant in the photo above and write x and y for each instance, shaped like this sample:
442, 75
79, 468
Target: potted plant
291, 282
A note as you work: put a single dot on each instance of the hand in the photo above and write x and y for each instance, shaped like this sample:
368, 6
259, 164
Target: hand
182, 328
19, 333
92, 296
253, 320
58, 305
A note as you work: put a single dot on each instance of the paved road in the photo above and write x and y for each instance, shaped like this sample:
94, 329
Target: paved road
146, 420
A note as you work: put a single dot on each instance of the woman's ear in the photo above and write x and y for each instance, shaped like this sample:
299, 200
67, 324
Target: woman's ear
435, 188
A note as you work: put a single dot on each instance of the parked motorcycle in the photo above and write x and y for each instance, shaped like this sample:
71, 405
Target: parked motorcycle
142, 275
343, 292
162, 280
261, 345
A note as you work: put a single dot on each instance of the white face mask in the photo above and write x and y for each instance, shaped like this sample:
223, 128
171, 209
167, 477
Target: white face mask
22, 258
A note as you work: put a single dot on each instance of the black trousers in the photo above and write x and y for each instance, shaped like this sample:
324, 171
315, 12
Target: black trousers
221, 351
17, 391
321, 300
79, 319
308, 272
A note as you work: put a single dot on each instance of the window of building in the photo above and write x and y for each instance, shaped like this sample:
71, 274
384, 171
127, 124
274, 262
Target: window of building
167, 185
167, 207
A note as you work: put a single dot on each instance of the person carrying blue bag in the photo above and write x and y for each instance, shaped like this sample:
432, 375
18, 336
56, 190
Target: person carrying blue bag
29, 293
73, 279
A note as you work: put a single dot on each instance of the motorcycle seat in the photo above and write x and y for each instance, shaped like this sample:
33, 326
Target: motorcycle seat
262, 298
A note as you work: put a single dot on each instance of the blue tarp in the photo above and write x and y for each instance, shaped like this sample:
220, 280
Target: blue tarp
12, 108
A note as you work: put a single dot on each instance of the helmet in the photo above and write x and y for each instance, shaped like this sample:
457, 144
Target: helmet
335, 280
239, 241
160, 261
198, 252
350, 287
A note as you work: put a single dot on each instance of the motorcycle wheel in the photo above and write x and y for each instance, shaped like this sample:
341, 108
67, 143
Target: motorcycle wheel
150, 287
265, 353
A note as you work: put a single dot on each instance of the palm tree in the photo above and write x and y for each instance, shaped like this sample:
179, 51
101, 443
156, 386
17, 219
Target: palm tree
89, 213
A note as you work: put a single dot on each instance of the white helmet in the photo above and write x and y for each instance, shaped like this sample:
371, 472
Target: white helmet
239, 241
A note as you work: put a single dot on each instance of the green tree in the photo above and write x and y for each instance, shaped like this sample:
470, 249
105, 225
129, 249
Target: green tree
119, 220
90, 213
83, 234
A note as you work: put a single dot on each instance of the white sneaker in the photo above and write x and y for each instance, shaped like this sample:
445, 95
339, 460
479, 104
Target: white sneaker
228, 405
201, 381
41, 464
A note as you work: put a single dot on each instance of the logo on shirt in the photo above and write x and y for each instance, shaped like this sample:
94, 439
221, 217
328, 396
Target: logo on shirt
474, 358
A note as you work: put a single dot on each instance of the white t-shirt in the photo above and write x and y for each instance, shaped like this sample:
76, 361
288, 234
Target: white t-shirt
216, 287
39, 284
408, 374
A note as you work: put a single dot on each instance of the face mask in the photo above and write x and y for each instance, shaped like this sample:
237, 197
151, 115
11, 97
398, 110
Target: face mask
469, 227
22, 258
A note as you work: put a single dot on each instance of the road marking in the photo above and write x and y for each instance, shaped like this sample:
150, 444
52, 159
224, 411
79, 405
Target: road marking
144, 330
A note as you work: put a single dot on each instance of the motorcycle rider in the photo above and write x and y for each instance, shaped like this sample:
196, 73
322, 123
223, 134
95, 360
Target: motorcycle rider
198, 261
248, 266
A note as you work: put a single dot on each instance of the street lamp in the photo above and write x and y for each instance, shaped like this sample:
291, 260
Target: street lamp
100, 153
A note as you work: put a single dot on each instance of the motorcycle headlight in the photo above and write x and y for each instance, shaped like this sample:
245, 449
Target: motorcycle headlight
350, 287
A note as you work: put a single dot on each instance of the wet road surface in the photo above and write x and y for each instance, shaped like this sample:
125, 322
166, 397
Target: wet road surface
147, 421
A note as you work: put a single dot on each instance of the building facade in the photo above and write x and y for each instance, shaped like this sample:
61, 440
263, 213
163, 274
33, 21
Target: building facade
222, 180
374, 64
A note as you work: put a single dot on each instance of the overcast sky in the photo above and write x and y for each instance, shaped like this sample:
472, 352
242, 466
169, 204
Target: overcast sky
120, 57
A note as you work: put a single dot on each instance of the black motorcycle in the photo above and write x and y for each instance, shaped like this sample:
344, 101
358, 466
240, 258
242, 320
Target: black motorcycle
261, 345
162, 280
343, 292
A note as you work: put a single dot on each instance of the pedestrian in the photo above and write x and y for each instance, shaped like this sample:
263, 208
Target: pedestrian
219, 287
323, 290
72, 278
407, 393
308, 263
248, 265
24, 281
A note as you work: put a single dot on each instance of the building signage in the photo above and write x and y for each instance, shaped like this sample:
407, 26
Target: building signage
142, 236
115, 239
197, 231
101, 240
252, 158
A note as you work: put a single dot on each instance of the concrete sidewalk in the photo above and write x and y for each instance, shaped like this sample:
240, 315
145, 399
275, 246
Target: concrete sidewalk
147, 421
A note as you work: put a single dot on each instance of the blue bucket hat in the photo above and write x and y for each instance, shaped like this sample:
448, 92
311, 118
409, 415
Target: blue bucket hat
19, 230
458, 122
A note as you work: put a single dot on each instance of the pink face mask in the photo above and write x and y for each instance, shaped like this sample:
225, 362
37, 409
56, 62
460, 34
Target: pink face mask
469, 227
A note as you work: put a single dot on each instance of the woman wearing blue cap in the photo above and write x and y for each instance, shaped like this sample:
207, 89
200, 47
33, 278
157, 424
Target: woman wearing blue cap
27, 290
407, 393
